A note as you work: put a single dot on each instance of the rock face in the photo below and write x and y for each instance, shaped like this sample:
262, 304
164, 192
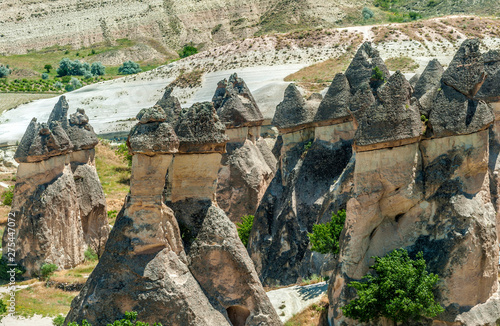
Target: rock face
58, 203
427, 85
439, 201
170, 236
293, 110
248, 166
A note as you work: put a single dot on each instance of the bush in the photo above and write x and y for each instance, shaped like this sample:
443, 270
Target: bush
58, 321
97, 69
128, 68
69, 88
47, 67
4, 71
122, 150
66, 79
58, 84
76, 83
88, 75
325, 237
47, 270
45, 76
377, 74
401, 290
90, 255
187, 50
244, 228
129, 320
7, 196
72, 68
367, 13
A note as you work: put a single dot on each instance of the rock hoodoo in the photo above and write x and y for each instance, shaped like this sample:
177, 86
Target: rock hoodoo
170, 236
58, 203
439, 200
248, 166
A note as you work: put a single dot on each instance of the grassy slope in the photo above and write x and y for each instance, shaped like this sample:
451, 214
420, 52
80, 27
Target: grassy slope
315, 315
11, 100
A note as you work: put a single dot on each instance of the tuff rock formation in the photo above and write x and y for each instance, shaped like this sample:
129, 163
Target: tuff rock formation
429, 193
427, 85
173, 255
58, 203
248, 166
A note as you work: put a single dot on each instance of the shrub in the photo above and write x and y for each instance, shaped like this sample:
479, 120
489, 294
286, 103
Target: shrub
4, 71
7, 196
66, 79
47, 270
90, 255
129, 67
97, 68
58, 321
244, 228
3, 307
216, 29
45, 76
76, 83
325, 237
4, 269
401, 290
187, 50
122, 150
367, 13
47, 67
72, 68
69, 88
378, 74
58, 84
88, 75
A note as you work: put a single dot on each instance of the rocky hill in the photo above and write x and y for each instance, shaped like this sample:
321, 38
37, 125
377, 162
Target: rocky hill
163, 24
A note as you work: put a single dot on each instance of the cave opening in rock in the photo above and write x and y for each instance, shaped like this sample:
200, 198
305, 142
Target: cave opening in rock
238, 315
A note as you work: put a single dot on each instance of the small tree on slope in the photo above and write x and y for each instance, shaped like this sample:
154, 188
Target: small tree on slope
400, 290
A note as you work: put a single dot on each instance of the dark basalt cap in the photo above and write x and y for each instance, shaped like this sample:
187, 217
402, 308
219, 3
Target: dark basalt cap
335, 104
153, 138
466, 71
360, 70
293, 110
154, 114
453, 113
235, 104
392, 117
170, 105
200, 130
490, 90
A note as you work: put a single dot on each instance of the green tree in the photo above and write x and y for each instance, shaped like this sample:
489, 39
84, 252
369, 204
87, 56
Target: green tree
325, 237
122, 150
401, 290
188, 50
129, 67
97, 69
378, 74
47, 270
47, 67
244, 228
367, 13
4, 71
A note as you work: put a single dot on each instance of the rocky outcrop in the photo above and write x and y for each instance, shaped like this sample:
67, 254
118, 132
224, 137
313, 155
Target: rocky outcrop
438, 202
170, 236
427, 85
58, 203
248, 166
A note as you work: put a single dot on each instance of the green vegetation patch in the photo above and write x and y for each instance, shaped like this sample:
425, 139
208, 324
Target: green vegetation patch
403, 63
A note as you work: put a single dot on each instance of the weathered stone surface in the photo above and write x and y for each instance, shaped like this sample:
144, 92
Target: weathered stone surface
360, 70
244, 177
59, 203
335, 105
392, 117
489, 91
153, 137
413, 80
200, 129
361, 100
48, 225
296, 199
293, 110
437, 203
171, 105
235, 104
427, 86
154, 114
455, 114
465, 73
